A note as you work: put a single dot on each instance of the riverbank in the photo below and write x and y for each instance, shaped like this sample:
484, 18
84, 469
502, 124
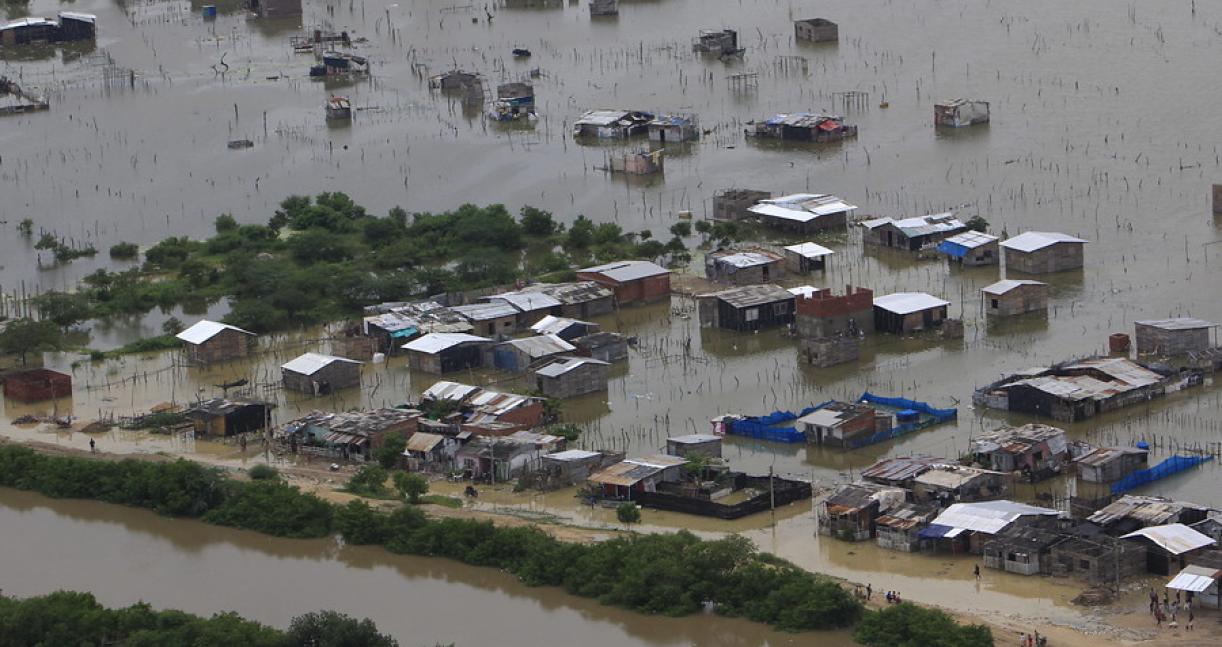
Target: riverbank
1121, 622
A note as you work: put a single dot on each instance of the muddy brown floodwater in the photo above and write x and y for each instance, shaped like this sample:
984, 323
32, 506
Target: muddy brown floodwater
124, 555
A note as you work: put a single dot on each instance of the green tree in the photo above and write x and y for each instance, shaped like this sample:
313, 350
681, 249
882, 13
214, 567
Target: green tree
391, 450
172, 326
645, 234
537, 222
360, 524
411, 485
977, 223
263, 472
370, 480
24, 336
581, 234
124, 250
907, 625
334, 629
63, 308
628, 513
703, 227
651, 249
225, 222
681, 229
606, 233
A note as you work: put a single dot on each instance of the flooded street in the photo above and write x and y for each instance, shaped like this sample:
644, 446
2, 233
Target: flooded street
1104, 125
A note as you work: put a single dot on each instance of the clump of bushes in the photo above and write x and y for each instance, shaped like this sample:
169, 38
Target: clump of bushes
124, 251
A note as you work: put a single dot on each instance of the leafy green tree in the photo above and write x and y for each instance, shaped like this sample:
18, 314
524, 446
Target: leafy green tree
411, 485
581, 234
651, 249
907, 625
124, 250
391, 450
334, 629
24, 336
703, 227
172, 326
318, 244
225, 222
370, 480
606, 233
645, 234
360, 524
537, 223
380, 232
263, 472
627, 513
568, 431
681, 229
977, 223
63, 308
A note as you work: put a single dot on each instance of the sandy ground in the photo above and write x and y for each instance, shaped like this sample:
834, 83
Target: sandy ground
1124, 622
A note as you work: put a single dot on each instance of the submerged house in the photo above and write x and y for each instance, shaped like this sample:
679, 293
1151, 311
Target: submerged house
569, 377
692, 445
1110, 464
442, 353
803, 213
514, 101
912, 234
823, 314
390, 325
967, 526
563, 327
1170, 337
957, 113
899, 471
900, 527
850, 513
743, 267
1074, 391
1132, 512
734, 204
68, 26
521, 354
607, 346
220, 417
274, 8
722, 42
573, 466
604, 7
635, 476
37, 384
641, 162
805, 258
1038, 451
1043, 252
351, 434
504, 458
816, 30
318, 374
803, 127
1012, 297
947, 484
747, 308
1169, 547
674, 129
430, 452
971, 249
580, 299
631, 281
906, 312
612, 124
1024, 549
840, 423
207, 342
491, 319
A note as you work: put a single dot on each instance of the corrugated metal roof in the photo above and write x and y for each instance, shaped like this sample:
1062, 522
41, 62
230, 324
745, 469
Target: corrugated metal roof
565, 364
436, 342
1005, 285
810, 250
1104, 455
445, 390
26, 22
899, 468
1032, 240
744, 259
601, 117
951, 476
541, 345
694, 439
906, 517
1194, 578
485, 311
972, 239
553, 325
1178, 323
622, 271
203, 330
902, 303
75, 15
751, 295
422, 441
311, 363
1150, 510
658, 460
572, 455
804, 291
1175, 538
527, 301
989, 517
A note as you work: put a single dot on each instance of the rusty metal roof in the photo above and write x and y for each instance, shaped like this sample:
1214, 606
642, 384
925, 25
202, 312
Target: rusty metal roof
900, 468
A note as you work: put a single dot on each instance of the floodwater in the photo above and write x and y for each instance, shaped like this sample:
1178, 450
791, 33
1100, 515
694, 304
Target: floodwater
124, 555
1103, 125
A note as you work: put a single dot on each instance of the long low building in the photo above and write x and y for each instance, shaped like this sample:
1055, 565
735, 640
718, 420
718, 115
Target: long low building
1074, 391
905, 312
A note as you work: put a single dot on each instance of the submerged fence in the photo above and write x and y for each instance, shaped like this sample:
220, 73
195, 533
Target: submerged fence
765, 427
936, 417
1172, 465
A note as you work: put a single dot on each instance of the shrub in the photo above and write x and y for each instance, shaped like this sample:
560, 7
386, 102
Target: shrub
391, 450
907, 625
412, 486
273, 508
334, 629
263, 472
124, 250
370, 480
628, 513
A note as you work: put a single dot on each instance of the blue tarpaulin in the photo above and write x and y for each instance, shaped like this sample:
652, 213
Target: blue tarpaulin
935, 531
1172, 465
952, 249
768, 427
936, 417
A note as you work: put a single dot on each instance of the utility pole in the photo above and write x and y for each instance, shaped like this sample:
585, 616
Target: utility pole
771, 496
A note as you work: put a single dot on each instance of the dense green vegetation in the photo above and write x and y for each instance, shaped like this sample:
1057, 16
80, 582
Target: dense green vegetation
673, 574
21, 337
69, 618
324, 258
907, 625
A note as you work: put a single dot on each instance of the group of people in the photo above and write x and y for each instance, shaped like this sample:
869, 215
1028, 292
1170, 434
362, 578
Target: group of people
893, 597
1170, 609
1029, 640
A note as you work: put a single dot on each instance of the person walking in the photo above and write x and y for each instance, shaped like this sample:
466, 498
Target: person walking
1153, 600
869, 591
1191, 618
93, 446
977, 572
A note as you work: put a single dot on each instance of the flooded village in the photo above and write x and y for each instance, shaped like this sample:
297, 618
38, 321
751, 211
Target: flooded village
921, 298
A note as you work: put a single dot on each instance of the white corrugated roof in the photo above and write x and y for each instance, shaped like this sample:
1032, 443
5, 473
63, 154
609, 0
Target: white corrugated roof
785, 213
203, 330
1175, 538
809, 250
902, 303
824, 418
26, 22
485, 311
627, 270
553, 325
572, 455
746, 259
694, 439
311, 363
1194, 578
1032, 240
566, 364
542, 345
972, 239
74, 15
446, 390
601, 117
438, 341
989, 517
527, 301
1178, 323
804, 291
1005, 285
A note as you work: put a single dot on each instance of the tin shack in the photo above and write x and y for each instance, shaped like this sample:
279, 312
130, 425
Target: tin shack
318, 374
747, 308
1012, 297
1043, 252
907, 312
207, 342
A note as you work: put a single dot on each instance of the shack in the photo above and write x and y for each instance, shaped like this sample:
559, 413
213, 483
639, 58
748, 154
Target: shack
1200, 583
1012, 297
721, 42
1169, 546
631, 281
900, 528
802, 127
947, 484
207, 342
500, 459
823, 314
1038, 451
441, 353
850, 513
563, 327
1097, 558
37, 384
491, 319
899, 471
967, 526
637, 475
350, 434
674, 129
274, 8
642, 162
220, 417
816, 30
840, 423
912, 234
957, 113
68, 26
805, 258
521, 354
427, 452
532, 305
694, 445
971, 249
804, 213
604, 7
1171, 337
1074, 391
514, 101
492, 413
318, 374
576, 465
829, 351
607, 346
730, 205
1110, 464
1024, 550
1132, 512
747, 308
612, 124
907, 312
579, 300
1043, 252
569, 377
743, 267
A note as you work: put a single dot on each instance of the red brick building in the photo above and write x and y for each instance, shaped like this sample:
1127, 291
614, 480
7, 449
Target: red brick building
823, 314
38, 384
632, 281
